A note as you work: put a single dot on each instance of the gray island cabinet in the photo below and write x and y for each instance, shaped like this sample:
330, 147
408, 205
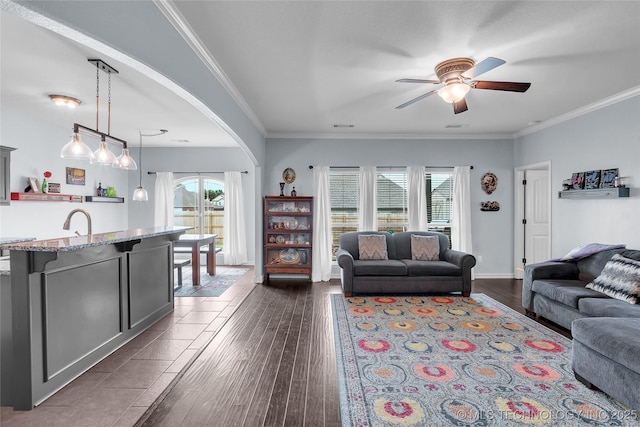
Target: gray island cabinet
75, 300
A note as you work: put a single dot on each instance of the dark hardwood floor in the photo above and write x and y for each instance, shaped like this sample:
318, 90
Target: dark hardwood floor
273, 362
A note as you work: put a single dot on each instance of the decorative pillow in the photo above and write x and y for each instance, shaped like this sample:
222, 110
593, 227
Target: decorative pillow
584, 251
620, 279
425, 248
372, 246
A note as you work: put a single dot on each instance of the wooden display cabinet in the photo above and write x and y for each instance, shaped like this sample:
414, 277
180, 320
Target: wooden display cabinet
288, 235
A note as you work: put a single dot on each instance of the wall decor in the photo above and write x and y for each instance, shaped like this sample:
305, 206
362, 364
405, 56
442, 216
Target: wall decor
608, 178
489, 182
490, 206
53, 187
289, 175
35, 185
577, 180
75, 176
592, 179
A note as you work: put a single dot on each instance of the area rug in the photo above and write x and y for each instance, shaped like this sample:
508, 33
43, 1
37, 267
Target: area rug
423, 361
210, 286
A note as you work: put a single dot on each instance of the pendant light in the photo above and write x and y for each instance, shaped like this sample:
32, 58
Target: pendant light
77, 149
140, 194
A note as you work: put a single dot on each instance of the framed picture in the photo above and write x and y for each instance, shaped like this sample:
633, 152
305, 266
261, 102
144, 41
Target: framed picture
35, 185
592, 180
75, 176
577, 180
53, 187
608, 178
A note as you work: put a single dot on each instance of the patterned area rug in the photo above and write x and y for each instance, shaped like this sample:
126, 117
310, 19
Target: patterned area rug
210, 286
423, 361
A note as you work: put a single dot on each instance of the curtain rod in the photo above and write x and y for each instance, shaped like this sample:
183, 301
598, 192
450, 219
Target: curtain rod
197, 173
391, 167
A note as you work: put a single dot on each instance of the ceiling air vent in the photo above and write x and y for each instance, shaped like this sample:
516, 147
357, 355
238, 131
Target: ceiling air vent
455, 126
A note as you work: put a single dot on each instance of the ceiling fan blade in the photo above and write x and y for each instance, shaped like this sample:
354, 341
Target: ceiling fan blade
417, 81
506, 86
460, 106
482, 67
406, 104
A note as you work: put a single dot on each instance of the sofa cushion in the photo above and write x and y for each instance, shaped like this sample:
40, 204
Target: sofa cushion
607, 307
403, 243
372, 247
425, 248
620, 279
567, 292
389, 267
431, 268
614, 338
590, 267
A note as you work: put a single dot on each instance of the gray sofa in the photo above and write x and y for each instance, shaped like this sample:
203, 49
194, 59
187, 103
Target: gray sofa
556, 290
400, 274
606, 344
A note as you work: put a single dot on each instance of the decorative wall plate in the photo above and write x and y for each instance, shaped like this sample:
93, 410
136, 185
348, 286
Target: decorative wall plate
489, 182
288, 175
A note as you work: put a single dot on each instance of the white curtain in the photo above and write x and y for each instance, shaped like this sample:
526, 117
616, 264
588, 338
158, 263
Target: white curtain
322, 238
163, 200
461, 217
235, 242
417, 203
367, 215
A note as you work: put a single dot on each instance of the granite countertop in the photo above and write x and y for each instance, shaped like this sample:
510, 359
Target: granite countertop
65, 244
5, 268
7, 240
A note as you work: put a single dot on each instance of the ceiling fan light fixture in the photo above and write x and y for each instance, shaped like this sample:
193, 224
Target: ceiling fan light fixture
454, 92
65, 101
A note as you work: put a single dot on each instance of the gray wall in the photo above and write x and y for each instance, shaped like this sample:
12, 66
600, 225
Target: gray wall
38, 149
492, 231
196, 159
603, 139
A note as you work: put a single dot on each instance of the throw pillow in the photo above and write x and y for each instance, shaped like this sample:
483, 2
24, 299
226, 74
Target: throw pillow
372, 246
425, 248
584, 251
620, 279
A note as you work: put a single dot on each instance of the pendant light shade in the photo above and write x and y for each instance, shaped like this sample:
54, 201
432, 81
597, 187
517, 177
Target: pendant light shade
140, 195
104, 156
125, 161
76, 149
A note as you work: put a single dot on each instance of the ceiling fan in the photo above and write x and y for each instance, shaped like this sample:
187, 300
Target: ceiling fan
457, 75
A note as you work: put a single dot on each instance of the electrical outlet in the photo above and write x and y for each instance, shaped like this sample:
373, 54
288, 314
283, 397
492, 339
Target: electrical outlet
479, 258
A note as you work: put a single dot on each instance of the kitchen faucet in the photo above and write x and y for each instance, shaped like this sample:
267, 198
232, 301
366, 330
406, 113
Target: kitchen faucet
67, 223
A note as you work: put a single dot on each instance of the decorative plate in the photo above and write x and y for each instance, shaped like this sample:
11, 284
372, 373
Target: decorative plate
280, 239
289, 175
489, 182
290, 256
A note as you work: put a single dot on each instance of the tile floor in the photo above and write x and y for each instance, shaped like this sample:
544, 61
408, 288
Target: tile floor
118, 390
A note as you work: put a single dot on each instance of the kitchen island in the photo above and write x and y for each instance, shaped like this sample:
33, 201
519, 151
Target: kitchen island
75, 300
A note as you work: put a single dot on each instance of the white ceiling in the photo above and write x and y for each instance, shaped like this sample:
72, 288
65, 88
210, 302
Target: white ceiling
301, 67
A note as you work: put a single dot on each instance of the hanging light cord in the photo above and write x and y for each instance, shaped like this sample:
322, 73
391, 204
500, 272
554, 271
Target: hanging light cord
97, 97
109, 105
162, 132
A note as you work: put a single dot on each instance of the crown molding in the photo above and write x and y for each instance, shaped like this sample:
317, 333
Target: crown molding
622, 96
407, 136
176, 19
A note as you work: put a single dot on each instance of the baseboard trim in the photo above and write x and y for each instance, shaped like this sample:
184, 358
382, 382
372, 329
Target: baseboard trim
494, 276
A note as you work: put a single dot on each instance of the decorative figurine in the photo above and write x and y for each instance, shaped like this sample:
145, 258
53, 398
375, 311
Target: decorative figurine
294, 193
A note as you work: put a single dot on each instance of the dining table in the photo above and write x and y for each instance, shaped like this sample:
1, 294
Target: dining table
196, 242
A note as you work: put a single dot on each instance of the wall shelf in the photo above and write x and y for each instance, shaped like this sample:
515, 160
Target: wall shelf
46, 197
597, 193
103, 199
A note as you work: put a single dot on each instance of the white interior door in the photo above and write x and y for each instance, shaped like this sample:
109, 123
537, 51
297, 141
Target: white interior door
536, 209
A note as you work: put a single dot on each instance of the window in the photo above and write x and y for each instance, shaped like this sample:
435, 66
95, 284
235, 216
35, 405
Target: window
199, 203
392, 201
